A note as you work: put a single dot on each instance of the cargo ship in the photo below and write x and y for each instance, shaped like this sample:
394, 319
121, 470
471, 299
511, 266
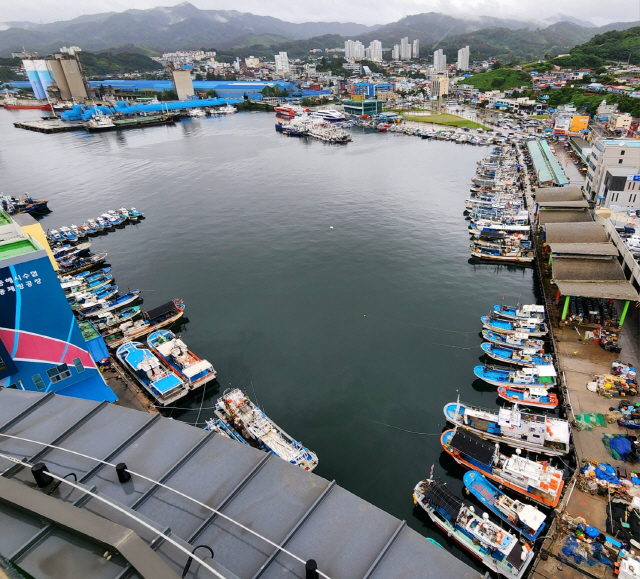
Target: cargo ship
11, 102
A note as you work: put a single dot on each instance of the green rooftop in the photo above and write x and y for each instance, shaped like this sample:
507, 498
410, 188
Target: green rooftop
16, 248
4, 218
88, 330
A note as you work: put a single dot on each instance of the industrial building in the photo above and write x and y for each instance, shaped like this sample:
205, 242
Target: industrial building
148, 493
59, 77
41, 346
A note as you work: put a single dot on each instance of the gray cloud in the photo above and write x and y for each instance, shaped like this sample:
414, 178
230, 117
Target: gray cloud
362, 11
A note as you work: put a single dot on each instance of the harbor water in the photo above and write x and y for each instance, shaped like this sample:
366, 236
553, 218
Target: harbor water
332, 283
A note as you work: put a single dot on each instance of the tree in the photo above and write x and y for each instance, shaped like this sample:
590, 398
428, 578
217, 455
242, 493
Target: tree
199, 76
496, 65
212, 93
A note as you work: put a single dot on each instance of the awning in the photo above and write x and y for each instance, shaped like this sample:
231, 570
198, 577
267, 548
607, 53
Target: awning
604, 290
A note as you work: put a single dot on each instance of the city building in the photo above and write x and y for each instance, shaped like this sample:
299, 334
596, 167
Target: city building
395, 53
282, 64
42, 348
405, 49
619, 122
375, 51
621, 188
252, 62
415, 49
463, 59
570, 124
608, 153
439, 61
440, 86
354, 50
604, 110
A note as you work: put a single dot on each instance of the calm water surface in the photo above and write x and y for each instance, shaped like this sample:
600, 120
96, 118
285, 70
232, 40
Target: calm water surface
329, 282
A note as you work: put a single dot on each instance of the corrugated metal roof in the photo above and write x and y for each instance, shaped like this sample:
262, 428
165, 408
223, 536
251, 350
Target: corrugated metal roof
569, 269
559, 194
575, 233
583, 204
564, 216
314, 518
604, 290
603, 249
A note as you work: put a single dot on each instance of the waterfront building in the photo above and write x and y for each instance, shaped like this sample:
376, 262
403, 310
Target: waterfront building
439, 61
415, 49
41, 346
375, 51
282, 64
369, 107
463, 58
609, 153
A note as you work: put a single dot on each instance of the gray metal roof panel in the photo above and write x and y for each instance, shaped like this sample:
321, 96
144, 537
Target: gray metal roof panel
231, 466
271, 503
344, 535
152, 454
595, 289
410, 557
602, 249
588, 232
570, 269
564, 216
16, 528
15, 402
558, 194
581, 204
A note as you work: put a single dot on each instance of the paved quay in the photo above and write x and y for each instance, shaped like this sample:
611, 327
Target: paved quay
578, 361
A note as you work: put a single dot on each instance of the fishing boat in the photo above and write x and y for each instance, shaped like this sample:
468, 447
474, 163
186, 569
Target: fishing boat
127, 215
497, 549
68, 235
532, 396
223, 427
541, 376
514, 341
538, 481
504, 254
526, 519
174, 351
22, 204
134, 213
89, 300
75, 286
225, 110
254, 426
67, 252
111, 305
196, 113
95, 225
524, 312
162, 383
154, 319
531, 327
289, 111
533, 432
529, 357
107, 320
89, 229
79, 265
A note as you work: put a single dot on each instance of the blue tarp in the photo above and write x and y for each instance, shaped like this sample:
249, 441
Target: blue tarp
605, 471
98, 349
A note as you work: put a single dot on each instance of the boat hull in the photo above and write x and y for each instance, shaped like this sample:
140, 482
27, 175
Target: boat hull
547, 502
34, 107
519, 396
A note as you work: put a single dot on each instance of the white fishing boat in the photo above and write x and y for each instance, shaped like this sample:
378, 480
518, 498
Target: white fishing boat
545, 434
196, 113
100, 122
498, 549
253, 424
226, 110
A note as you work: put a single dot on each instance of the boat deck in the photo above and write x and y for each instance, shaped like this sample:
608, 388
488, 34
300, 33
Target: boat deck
52, 125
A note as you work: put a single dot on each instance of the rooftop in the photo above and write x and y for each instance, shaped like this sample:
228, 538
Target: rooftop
188, 486
575, 233
545, 163
559, 194
564, 216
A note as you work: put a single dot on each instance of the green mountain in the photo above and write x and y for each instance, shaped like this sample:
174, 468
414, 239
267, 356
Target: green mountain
616, 45
117, 62
500, 79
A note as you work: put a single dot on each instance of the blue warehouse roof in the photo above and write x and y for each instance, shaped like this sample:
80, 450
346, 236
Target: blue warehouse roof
309, 516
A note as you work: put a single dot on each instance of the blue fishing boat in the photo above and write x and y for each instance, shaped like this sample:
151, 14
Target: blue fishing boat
111, 305
515, 341
530, 326
82, 264
174, 352
90, 229
68, 235
162, 383
86, 300
85, 275
525, 357
524, 312
526, 519
135, 214
109, 319
541, 376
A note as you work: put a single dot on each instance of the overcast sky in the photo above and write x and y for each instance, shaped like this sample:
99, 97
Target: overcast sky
362, 11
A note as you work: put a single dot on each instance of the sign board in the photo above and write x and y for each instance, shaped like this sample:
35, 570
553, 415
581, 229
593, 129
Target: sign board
633, 177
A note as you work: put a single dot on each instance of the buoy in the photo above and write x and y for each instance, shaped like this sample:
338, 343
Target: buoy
330, 226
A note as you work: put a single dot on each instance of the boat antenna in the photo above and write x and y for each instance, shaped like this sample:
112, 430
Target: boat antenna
458, 404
